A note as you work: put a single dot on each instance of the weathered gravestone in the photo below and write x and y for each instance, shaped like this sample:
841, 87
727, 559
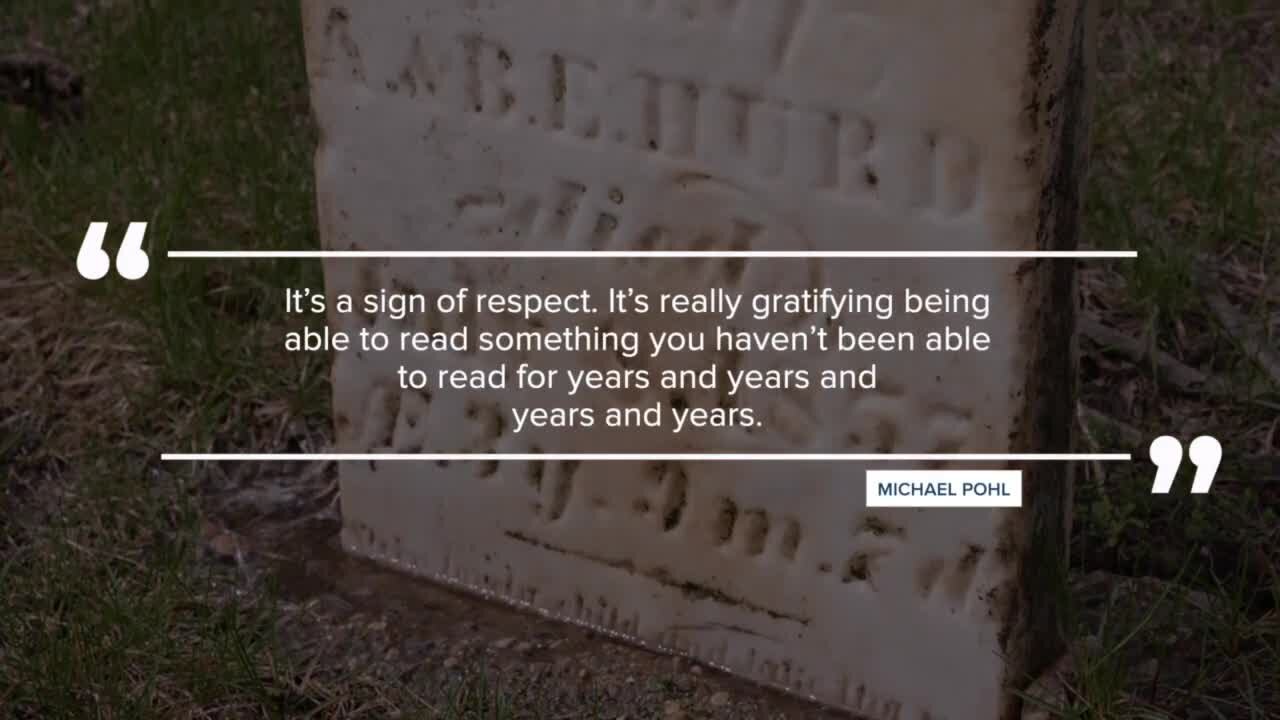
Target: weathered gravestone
719, 124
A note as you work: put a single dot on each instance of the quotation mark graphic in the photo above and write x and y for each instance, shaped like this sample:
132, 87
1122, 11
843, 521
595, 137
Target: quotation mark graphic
131, 261
1166, 453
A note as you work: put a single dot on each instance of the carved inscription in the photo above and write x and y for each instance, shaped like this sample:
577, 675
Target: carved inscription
574, 216
841, 154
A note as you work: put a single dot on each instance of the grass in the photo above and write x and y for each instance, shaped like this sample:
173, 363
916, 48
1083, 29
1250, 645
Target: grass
200, 126
198, 122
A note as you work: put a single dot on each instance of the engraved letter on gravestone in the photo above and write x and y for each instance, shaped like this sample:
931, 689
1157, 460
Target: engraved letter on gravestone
718, 124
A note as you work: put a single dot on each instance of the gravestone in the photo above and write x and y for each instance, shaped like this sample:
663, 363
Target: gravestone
719, 124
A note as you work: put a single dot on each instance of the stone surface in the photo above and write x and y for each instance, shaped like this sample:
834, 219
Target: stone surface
739, 124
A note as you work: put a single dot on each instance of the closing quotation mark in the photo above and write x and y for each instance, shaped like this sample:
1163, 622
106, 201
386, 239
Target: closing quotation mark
131, 261
1166, 454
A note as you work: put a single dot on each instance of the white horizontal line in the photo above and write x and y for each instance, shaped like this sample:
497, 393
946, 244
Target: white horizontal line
669, 457
588, 254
